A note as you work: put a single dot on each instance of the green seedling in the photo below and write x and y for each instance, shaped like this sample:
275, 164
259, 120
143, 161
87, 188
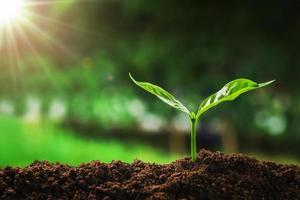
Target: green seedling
229, 92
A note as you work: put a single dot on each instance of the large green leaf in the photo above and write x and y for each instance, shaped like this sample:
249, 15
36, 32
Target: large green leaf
229, 92
161, 94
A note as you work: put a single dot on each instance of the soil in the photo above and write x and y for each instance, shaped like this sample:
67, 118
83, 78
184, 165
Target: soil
212, 176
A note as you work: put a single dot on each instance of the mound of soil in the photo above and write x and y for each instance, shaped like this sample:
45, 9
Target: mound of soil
212, 176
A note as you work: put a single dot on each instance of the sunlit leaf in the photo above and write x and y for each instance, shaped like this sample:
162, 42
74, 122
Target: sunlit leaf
229, 92
161, 94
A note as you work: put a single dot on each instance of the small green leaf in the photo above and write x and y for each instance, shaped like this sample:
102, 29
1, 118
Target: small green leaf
229, 92
161, 94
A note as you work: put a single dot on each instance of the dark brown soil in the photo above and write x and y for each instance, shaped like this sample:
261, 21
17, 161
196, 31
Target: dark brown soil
212, 176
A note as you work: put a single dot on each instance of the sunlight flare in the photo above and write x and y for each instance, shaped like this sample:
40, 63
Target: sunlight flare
28, 31
10, 11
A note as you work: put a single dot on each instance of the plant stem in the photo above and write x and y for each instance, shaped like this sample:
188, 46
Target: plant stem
193, 138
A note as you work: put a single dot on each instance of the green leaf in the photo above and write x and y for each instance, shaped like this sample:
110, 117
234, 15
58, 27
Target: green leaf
229, 92
161, 94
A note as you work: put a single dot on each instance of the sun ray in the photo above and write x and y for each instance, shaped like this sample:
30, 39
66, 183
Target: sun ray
37, 56
1, 38
51, 2
48, 2
55, 22
17, 67
11, 60
28, 32
48, 37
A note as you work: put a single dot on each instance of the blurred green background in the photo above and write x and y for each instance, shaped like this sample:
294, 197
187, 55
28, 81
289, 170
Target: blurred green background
65, 94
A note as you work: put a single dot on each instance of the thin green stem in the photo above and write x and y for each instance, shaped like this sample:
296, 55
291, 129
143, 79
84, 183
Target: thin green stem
193, 138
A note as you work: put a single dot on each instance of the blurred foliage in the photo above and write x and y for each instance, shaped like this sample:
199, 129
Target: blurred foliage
191, 48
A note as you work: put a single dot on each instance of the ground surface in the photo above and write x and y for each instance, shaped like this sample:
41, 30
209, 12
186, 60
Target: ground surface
212, 176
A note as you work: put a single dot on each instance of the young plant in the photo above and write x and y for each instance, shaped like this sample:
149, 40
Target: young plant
229, 92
